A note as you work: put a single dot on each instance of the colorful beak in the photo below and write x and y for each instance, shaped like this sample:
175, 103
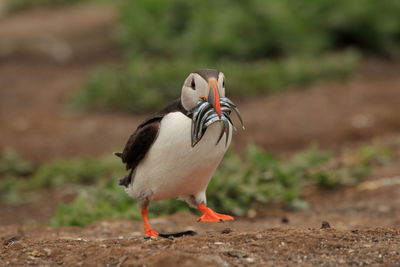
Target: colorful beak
213, 96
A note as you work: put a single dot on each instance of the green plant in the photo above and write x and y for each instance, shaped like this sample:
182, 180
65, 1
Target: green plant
144, 85
240, 184
262, 46
11, 163
254, 29
14, 188
106, 200
350, 167
76, 171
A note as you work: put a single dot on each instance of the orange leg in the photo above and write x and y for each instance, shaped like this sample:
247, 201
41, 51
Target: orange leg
211, 216
147, 227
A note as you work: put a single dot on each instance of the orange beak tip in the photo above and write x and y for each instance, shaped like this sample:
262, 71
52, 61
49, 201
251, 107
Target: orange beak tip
217, 106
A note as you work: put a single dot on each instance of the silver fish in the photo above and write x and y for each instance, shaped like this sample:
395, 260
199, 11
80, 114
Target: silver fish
203, 115
200, 123
225, 129
226, 102
201, 105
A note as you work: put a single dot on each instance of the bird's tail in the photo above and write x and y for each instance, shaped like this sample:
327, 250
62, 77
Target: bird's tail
126, 180
118, 154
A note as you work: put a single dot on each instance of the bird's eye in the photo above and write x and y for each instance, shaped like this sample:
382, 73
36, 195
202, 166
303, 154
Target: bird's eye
193, 85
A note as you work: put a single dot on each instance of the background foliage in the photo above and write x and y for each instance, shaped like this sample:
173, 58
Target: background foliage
262, 46
145, 85
241, 184
254, 29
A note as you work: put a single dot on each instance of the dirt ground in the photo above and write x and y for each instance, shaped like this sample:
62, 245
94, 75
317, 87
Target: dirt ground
36, 121
282, 246
364, 229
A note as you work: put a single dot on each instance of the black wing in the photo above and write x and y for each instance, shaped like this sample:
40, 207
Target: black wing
139, 143
142, 139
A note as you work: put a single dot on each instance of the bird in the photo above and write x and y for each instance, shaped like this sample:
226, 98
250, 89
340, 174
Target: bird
175, 152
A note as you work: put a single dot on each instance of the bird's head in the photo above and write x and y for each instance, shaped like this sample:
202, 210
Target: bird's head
206, 84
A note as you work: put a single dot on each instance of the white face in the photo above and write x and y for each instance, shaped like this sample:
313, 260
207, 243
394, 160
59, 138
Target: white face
196, 87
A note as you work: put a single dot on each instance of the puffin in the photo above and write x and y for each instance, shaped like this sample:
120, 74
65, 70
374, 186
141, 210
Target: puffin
175, 152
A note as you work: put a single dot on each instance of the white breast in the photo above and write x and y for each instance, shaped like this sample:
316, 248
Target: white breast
172, 167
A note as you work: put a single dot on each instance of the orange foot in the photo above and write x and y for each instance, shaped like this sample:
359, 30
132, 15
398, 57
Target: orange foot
147, 228
211, 216
151, 233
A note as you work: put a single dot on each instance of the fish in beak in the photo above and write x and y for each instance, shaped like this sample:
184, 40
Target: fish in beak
204, 114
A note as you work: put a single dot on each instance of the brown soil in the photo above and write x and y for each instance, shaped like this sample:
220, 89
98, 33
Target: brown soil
330, 115
282, 246
362, 226
35, 120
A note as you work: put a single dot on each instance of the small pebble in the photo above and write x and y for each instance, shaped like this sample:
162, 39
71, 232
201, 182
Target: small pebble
11, 240
226, 231
250, 260
251, 213
325, 225
236, 254
151, 238
48, 251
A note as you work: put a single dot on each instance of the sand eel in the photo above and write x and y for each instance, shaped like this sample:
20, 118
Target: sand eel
175, 152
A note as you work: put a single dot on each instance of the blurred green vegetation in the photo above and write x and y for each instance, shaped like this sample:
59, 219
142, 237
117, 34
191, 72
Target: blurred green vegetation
261, 46
145, 84
14, 182
254, 29
11, 163
240, 184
